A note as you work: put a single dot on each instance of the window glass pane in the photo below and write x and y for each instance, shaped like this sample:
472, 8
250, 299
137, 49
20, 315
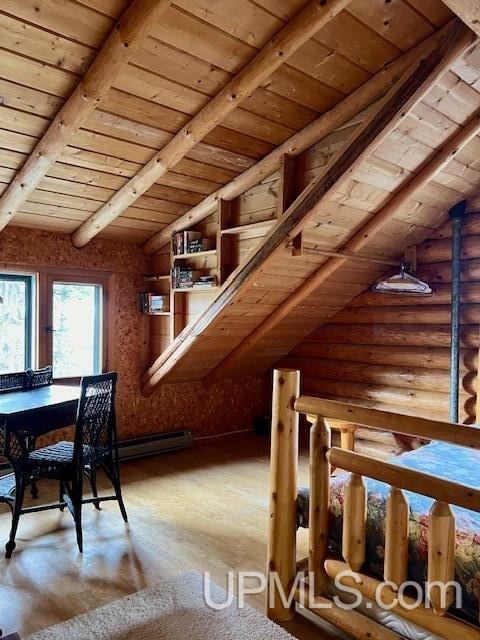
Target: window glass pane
76, 324
15, 323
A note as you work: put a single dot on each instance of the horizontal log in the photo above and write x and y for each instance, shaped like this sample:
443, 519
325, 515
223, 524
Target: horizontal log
442, 271
470, 294
395, 334
470, 226
391, 376
418, 402
444, 431
423, 356
440, 250
425, 618
352, 622
435, 314
408, 479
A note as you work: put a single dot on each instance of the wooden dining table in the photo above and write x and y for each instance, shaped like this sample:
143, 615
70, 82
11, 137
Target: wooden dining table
34, 412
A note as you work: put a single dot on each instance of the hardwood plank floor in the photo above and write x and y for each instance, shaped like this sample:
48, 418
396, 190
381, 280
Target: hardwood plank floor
202, 509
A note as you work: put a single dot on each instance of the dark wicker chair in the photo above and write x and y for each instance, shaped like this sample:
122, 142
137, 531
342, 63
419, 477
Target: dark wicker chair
95, 445
22, 381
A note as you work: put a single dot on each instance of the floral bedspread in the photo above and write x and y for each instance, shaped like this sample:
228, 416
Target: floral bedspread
440, 459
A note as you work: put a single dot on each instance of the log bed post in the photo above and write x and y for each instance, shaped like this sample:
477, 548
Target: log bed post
320, 443
282, 529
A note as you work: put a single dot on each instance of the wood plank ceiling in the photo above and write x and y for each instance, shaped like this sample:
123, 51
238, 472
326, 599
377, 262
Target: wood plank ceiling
191, 53
426, 136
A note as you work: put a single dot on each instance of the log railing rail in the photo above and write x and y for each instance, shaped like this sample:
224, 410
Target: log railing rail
287, 405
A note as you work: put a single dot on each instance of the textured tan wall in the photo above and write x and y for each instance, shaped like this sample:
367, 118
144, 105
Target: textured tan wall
228, 405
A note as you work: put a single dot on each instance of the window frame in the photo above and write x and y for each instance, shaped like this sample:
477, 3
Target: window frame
42, 309
64, 278
30, 316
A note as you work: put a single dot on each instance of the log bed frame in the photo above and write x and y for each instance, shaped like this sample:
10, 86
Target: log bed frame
288, 404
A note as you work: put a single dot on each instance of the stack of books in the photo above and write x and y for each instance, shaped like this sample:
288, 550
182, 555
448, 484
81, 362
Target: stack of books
183, 277
205, 282
189, 242
152, 303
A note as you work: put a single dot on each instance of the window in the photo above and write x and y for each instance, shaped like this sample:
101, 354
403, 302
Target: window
76, 330
16, 322
54, 318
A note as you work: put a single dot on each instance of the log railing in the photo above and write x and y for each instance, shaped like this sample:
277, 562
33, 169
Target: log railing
287, 406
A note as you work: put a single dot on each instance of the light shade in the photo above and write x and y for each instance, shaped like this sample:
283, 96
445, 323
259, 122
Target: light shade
403, 283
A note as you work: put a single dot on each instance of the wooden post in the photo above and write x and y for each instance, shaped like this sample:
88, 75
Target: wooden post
282, 528
320, 443
286, 185
441, 556
396, 538
225, 245
354, 522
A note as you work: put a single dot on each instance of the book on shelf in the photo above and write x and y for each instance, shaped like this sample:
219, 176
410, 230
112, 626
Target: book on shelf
189, 242
183, 277
152, 303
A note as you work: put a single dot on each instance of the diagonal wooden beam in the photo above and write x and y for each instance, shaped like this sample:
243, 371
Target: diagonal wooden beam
358, 241
400, 100
468, 11
124, 40
353, 104
299, 30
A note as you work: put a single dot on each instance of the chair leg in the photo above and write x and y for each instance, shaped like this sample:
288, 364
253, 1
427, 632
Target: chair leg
34, 489
113, 473
17, 508
61, 493
92, 476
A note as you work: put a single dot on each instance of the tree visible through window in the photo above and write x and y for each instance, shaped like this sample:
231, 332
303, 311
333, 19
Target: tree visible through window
76, 329
16, 305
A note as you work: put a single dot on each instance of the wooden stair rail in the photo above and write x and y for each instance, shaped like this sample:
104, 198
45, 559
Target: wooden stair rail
406, 93
358, 241
123, 42
337, 116
298, 31
459, 434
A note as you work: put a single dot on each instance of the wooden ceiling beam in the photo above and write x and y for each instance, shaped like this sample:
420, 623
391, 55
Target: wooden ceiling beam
296, 33
359, 240
328, 122
125, 39
393, 108
468, 11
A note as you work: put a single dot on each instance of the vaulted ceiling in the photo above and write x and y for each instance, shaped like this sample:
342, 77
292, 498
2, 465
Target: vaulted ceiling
194, 48
129, 120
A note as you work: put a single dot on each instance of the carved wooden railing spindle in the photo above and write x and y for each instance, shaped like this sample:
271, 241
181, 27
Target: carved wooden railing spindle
441, 556
320, 443
354, 522
396, 538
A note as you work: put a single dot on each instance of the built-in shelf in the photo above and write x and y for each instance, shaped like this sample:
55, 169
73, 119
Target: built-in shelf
194, 254
156, 278
253, 226
195, 289
158, 313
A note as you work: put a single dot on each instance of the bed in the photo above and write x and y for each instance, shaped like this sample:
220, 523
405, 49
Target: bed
415, 517
439, 459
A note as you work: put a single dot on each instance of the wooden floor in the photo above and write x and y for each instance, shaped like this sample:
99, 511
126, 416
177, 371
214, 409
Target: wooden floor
199, 509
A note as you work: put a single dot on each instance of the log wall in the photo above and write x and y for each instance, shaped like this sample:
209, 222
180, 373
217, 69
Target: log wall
393, 351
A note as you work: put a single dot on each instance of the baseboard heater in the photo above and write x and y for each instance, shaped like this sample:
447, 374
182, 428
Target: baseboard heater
142, 447
153, 445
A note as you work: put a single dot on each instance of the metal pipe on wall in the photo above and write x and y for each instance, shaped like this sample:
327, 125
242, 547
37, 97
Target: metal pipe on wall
456, 214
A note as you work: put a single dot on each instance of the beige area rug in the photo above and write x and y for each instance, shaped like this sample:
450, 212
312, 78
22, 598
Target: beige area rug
173, 610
